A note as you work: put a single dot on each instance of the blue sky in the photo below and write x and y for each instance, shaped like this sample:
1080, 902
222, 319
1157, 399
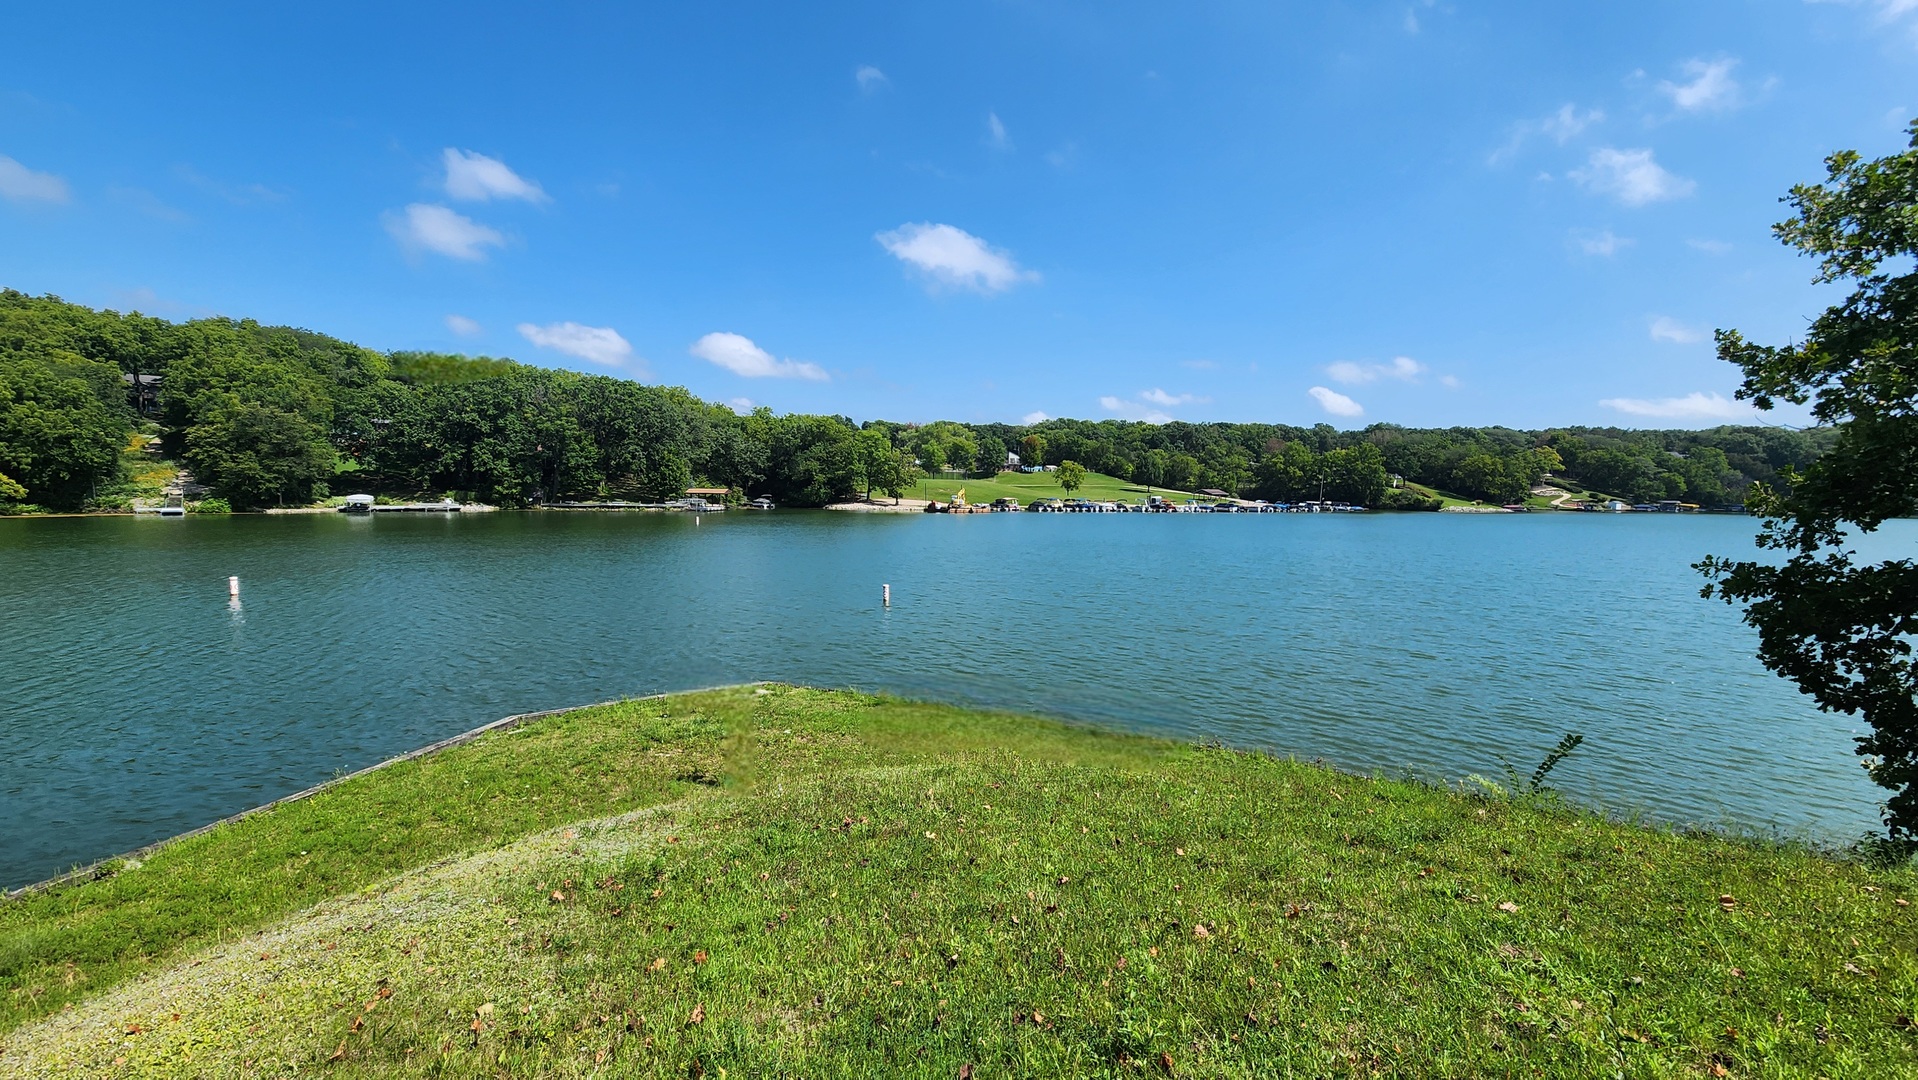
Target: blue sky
1425, 213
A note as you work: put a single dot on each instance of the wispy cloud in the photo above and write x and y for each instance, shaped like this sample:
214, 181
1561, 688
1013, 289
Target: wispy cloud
1602, 242
595, 344
1560, 126
146, 202
740, 356
1336, 403
472, 177
1693, 406
21, 184
431, 227
1666, 328
463, 326
996, 136
1709, 247
1133, 410
1631, 176
1410, 22
1157, 396
955, 258
1450, 382
1354, 373
1034, 417
237, 194
871, 80
741, 405
1709, 87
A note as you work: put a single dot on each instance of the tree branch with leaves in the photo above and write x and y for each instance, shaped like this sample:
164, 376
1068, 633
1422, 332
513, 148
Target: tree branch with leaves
1841, 628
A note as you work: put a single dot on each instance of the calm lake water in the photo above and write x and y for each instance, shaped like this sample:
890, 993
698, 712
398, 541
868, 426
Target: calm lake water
136, 703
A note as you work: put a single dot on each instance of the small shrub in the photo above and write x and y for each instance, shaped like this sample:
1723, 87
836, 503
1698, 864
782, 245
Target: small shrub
1404, 499
215, 505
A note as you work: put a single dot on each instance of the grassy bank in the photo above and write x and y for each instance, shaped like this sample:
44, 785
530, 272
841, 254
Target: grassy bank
1029, 486
777, 881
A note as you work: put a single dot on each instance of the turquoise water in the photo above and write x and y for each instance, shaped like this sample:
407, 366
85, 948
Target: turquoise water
136, 702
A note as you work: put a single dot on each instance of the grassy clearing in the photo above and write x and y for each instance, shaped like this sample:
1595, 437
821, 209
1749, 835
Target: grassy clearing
1029, 486
795, 882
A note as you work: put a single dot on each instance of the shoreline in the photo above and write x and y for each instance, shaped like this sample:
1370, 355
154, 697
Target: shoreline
93, 870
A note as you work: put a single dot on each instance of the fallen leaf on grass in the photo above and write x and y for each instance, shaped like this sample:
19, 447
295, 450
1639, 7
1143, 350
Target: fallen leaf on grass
339, 1052
1165, 1060
1508, 907
1727, 901
698, 1016
699, 957
1199, 931
657, 965
965, 1071
358, 1023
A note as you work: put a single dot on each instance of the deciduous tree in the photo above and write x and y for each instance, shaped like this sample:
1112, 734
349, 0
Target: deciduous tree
1842, 628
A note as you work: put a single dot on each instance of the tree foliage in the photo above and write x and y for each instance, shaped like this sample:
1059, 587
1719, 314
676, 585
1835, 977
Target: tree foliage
1843, 629
1072, 476
274, 414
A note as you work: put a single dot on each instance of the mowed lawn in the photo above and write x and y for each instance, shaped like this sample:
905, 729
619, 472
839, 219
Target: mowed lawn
772, 881
1029, 486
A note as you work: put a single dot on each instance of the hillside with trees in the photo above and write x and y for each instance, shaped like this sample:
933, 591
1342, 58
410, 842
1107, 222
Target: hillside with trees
268, 415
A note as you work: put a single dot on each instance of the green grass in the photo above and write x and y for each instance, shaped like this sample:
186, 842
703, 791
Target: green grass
1029, 486
778, 881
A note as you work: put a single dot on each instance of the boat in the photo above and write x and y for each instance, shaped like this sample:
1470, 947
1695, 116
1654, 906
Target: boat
761, 503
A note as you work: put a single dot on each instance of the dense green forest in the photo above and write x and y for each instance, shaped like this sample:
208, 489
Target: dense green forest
270, 415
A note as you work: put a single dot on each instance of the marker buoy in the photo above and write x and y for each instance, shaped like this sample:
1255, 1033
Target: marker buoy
233, 586
885, 595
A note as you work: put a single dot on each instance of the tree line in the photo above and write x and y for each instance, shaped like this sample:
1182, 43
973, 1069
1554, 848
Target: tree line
270, 415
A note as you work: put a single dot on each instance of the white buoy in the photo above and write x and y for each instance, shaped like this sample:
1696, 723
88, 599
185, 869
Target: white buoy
885, 594
233, 586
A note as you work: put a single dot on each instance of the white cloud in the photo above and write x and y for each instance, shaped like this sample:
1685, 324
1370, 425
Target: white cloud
1693, 406
1711, 88
871, 79
597, 344
1710, 247
1336, 403
463, 326
1034, 417
436, 228
478, 178
1133, 410
1450, 382
1631, 176
740, 356
1560, 126
1352, 373
954, 257
996, 135
1603, 242
1666, 328
1567, 122
741, 405
1159, 397
21, 184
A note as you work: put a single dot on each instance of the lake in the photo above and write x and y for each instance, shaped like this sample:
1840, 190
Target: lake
136, 702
